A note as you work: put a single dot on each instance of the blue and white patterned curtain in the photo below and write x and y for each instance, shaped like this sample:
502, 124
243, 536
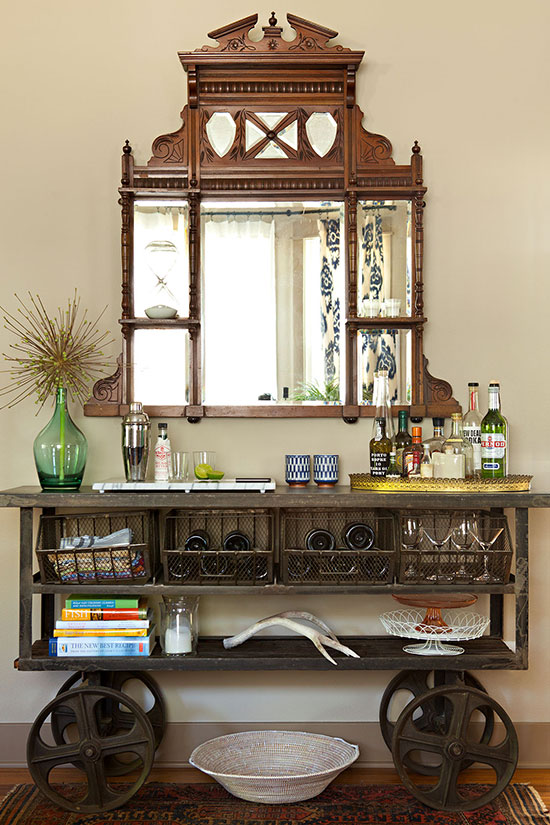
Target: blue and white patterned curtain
329, 231
380, 350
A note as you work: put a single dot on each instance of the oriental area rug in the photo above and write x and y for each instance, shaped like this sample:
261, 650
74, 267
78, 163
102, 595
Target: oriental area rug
159, 802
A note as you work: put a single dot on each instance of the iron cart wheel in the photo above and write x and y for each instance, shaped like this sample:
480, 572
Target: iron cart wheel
92, 748
455, 748
430, 715
114, 719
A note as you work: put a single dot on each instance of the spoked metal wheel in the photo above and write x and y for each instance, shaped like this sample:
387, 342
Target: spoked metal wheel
455, 749
430, 715
114, 718
92, 748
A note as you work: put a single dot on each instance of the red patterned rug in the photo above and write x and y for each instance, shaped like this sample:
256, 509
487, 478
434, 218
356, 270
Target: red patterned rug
159, 803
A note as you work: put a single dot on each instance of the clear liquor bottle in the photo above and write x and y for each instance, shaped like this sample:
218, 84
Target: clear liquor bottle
435, 444
163, 454
401, 439
472, 425
380, 449
494, 437
457, 445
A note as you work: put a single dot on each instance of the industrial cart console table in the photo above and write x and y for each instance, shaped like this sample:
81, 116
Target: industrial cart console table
95, 725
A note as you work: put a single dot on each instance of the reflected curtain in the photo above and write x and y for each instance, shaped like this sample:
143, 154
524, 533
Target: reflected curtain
240, 356
379, 350
329, 231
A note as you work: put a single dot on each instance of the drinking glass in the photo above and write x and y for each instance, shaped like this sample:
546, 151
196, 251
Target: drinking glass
204, 457
411, 533
462, 536
486, 531
180, 466
438, 535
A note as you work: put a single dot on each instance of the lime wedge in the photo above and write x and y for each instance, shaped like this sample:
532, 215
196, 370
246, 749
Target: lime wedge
215, 475
202, 470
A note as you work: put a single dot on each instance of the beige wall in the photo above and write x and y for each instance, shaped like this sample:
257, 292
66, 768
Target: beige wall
470, 82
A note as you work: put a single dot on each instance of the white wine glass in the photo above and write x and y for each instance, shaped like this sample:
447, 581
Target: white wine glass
411, 533
462, 537
486, 531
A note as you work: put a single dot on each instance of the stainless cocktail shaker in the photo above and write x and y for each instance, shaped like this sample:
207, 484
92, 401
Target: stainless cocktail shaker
136, 435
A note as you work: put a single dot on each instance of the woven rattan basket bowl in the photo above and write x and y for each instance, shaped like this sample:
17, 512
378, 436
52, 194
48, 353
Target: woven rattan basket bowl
274, 765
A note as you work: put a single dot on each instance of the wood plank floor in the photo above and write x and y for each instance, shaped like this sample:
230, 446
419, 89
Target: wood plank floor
539, 779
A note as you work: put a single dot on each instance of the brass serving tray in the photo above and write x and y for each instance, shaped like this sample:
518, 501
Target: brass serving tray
510, 484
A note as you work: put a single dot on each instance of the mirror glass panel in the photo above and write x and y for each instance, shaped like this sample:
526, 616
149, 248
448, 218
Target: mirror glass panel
161, 260
321, 130
384, 258
388, 349
273, 295
221, 130
161, 372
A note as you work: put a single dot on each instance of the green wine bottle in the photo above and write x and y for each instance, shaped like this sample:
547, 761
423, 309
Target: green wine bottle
380, 449
494, 437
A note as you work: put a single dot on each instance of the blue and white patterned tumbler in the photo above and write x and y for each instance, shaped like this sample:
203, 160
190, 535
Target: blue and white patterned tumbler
325, 470
297, 470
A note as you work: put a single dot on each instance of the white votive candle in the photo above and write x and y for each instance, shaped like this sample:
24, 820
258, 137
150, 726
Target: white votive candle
177, 640
448, 465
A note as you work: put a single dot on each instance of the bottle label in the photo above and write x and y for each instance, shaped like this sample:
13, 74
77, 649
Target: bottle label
472, 433
162, 463
379, 463
493, 445
411, 463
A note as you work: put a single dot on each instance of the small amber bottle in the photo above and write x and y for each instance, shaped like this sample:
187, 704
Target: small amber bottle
412, 456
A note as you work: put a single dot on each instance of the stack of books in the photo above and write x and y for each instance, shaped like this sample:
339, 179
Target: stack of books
104, 626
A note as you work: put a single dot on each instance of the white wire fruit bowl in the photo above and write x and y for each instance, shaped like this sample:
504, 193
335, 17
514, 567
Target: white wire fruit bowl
409, 624
274, 766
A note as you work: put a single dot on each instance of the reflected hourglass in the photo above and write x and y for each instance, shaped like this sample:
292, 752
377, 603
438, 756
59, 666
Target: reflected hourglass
161, 257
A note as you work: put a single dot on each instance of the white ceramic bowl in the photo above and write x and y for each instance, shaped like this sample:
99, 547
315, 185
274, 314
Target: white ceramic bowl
274, 766
161, 311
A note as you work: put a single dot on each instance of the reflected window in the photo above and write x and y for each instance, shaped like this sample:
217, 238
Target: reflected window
385, 349
161, 358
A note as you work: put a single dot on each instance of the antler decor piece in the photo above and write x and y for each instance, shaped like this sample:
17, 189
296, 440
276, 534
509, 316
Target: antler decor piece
287, 619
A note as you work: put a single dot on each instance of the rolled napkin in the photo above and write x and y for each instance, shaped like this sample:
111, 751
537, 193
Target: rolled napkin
116, 539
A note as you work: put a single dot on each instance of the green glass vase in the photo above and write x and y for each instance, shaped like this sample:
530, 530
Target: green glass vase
60, 449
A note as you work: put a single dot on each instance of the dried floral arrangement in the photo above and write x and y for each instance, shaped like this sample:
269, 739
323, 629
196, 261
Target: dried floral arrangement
62, 350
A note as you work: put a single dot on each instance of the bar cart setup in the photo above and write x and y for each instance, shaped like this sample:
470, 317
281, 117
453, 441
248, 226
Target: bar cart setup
106, 724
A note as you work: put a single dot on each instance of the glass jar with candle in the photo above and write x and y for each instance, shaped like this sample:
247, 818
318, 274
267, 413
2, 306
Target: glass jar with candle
179, 625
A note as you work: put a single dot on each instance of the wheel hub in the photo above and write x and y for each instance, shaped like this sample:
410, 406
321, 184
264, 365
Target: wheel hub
90, 750
456, 749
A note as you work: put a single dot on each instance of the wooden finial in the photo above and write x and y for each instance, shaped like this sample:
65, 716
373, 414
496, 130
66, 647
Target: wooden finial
416, 148
127, 149
272, 20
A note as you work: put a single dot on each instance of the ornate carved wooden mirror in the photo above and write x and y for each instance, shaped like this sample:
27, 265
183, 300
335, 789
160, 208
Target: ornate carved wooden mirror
271, 247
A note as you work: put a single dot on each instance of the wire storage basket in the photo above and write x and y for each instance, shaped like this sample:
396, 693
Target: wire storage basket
454, 547
68, 550
272, 766
218, 547
343, 547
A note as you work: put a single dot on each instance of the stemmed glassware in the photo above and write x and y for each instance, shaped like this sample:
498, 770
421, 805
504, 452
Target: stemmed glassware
462, 536
411, 533
438, 535
486, 530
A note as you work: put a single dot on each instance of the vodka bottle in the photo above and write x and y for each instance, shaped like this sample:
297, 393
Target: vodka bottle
472, 425
494, 437
458, 446
163, 454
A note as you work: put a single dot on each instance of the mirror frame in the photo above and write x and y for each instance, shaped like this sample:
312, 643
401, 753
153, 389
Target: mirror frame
305, 75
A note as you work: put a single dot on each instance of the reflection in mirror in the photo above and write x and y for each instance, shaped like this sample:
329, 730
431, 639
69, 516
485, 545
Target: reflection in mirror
273, 287
384, 258
161, 265
321, 130
161, 358
221, 130
387, 349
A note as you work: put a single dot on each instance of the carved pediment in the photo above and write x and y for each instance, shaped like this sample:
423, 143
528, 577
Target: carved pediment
234, 39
